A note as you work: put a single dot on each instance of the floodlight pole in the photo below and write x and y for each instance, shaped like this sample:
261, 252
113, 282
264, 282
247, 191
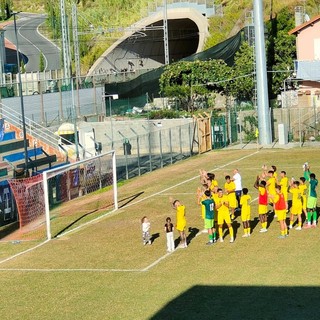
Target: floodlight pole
264, 122
25, 146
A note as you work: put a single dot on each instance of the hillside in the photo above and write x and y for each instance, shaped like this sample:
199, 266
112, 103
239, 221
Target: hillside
93, 18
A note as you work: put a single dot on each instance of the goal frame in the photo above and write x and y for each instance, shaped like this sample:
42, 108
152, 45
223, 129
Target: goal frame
46, 189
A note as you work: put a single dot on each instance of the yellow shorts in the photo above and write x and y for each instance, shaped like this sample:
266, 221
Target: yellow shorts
281, 214
224, 217
296, 209
263, 209
245, 216
232, 202
181, 225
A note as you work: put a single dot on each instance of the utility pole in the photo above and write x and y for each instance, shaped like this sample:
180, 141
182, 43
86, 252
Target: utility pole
76, 41
76, 52
65, 43
25, 142
165, 33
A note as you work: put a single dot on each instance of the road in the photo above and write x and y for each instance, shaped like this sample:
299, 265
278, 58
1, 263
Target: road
32, 43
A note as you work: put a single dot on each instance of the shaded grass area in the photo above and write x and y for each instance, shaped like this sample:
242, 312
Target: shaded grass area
97, 272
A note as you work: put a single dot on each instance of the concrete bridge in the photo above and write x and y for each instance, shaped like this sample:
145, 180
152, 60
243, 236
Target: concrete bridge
142, 46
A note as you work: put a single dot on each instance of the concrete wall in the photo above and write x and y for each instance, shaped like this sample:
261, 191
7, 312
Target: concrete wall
179, 131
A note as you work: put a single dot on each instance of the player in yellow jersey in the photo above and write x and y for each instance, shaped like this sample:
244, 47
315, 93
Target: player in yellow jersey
275, 173
303, 188
280, 208
245, 200
214, 196
181, 222
230, 191
260, 185
296, 208
271, 185
222, 206
284, 184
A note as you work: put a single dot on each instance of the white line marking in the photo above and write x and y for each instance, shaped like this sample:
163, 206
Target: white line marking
23, 252
157, 261
71, 270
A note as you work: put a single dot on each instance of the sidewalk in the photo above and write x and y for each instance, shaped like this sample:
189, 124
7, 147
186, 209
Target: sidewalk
275, 145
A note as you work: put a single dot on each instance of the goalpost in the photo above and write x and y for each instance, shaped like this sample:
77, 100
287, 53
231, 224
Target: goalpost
66, 197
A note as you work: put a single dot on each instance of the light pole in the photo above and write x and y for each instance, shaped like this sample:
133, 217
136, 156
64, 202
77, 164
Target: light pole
25, 147
111, 97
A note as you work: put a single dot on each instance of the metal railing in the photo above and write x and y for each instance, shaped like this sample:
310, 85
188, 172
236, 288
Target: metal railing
33, 128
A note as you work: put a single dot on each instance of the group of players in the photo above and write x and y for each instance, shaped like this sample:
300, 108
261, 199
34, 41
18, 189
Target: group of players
219, 205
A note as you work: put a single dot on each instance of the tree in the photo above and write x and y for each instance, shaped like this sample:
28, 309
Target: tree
281, 50
188, 80
242, 87
5, 9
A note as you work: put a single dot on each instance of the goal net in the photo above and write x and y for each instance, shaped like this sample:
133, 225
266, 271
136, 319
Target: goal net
66, 197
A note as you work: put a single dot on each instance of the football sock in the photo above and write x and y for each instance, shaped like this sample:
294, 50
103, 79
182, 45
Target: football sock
309, 216
231, 232
314, 216
220, 232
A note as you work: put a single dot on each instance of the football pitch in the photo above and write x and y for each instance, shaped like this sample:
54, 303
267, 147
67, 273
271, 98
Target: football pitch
103, 270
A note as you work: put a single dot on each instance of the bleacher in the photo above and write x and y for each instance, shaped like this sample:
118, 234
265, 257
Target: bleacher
12, 154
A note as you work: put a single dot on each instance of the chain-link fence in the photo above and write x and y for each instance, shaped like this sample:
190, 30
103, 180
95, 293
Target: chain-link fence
301, 124
141, 153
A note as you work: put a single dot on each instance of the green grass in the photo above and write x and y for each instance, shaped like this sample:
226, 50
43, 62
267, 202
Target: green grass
103, 271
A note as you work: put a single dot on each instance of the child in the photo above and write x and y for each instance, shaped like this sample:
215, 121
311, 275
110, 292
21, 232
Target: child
145, 225
263, 202
168, 228
280, 208
208, 203
296, 208
181, 222
245, 200
222, 206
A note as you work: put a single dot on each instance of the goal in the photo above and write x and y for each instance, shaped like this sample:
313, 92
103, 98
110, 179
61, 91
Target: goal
64, 198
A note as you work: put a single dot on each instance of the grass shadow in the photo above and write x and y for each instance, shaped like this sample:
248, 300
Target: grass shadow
192, 233
129, 199
154, 237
